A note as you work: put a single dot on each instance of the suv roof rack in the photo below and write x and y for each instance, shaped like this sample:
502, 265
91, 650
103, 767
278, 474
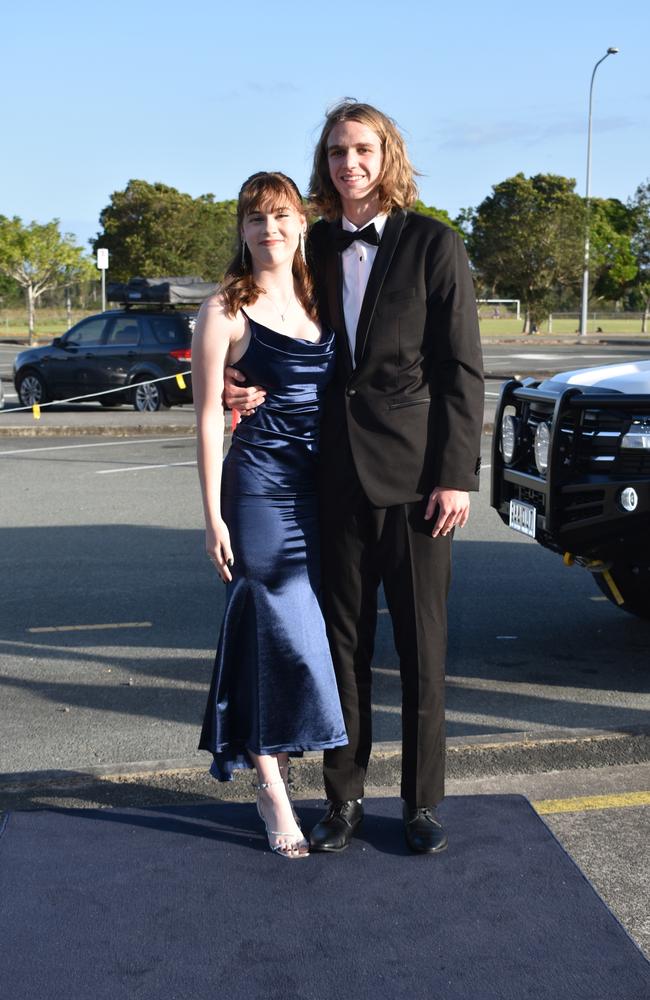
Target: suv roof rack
188, 290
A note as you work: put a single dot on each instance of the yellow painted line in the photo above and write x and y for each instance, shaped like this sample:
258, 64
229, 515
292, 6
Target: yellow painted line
90, 628
582, 803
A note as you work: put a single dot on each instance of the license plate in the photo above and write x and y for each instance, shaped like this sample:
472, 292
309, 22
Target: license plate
523, 517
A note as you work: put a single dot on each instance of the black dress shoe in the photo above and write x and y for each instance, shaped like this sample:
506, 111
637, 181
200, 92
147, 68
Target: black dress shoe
424, 832
334, 832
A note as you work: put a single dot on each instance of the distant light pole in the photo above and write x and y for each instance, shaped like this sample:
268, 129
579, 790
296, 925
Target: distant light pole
611, 51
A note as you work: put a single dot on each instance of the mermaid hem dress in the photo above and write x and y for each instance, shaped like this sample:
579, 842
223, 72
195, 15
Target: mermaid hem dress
273, 686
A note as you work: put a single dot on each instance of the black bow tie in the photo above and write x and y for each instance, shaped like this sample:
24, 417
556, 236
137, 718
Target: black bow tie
343, 239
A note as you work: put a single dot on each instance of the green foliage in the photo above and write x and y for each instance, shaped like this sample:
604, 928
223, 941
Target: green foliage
639, 208
153, 230
38, 257
10, 291
436, 213
526, 239
613, 263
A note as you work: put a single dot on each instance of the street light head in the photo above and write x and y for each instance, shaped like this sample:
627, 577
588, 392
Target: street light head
611, 51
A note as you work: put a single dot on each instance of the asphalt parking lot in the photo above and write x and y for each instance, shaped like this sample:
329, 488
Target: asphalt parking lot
110, 618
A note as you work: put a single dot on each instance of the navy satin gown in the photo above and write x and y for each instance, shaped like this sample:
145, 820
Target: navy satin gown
273, 688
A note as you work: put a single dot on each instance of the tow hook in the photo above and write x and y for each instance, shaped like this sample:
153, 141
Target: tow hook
596, 566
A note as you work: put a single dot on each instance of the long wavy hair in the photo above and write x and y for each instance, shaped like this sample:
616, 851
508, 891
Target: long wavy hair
264, 191
396, 188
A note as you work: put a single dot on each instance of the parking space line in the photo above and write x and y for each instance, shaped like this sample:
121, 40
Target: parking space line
141, 468
100, 444
89, 628
582, 803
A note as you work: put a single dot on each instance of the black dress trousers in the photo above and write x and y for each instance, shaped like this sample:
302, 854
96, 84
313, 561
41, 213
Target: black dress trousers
362, 546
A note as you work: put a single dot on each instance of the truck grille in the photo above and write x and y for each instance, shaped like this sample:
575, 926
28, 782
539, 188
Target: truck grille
634, 463
589, 443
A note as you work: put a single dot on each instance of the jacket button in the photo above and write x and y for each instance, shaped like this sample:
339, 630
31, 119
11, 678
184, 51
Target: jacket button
352, 392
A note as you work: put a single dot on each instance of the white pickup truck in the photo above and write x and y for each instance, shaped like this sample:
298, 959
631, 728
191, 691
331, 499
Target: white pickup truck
571, 469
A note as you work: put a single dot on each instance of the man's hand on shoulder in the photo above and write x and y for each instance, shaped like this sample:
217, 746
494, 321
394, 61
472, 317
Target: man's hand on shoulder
245, 399
453, 510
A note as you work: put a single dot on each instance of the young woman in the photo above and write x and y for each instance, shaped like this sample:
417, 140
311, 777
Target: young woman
273, 690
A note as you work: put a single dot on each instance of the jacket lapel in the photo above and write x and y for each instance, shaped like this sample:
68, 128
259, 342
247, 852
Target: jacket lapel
334, 282
387, 246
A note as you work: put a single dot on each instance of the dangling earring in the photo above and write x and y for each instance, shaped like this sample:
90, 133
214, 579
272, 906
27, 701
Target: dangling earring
243, 253
301, 247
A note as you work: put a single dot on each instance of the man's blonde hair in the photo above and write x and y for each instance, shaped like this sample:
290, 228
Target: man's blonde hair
396, 188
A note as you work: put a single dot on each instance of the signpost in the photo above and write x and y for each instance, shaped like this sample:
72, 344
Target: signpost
102, 265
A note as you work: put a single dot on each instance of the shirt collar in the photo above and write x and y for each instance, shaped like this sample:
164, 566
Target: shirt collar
379, 222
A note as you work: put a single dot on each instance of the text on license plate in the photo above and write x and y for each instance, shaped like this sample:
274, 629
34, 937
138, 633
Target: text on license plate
522, 517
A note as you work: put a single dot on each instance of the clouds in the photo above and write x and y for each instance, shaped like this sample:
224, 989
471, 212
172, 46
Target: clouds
522, 131
255, 89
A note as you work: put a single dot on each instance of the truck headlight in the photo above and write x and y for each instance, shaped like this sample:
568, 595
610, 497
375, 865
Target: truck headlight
508, 437
638, 435
542, 439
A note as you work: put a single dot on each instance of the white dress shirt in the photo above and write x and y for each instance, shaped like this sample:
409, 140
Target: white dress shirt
357, 263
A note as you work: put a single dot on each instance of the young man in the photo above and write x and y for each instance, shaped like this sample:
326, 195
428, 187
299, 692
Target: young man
399, 451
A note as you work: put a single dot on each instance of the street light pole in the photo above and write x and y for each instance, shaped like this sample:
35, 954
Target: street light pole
611, 51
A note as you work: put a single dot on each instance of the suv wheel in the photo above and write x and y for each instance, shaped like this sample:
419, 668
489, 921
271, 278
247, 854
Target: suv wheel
148, 397
31, 389
633, 582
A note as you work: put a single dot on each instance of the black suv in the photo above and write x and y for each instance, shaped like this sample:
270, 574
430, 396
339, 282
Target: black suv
113, 350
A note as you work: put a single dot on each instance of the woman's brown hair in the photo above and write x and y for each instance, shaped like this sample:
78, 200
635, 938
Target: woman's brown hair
396, 188
264, 191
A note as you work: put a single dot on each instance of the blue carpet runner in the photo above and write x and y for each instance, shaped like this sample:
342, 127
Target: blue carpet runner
186, 903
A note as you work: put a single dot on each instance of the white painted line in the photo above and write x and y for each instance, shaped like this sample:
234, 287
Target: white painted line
382, 611
494, 395
90, 628
557, 357
99, 444
507, 637
141, 468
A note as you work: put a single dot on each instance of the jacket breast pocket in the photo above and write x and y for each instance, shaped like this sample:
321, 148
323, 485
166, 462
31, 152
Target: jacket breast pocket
398, 404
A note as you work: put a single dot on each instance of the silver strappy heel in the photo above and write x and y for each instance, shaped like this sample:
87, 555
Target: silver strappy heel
285, 774
292, 849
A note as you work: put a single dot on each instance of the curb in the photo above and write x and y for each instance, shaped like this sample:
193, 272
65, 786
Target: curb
165, 781
117, 432
87, 430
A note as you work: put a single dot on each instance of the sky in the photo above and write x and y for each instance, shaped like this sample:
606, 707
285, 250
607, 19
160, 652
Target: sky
200, 96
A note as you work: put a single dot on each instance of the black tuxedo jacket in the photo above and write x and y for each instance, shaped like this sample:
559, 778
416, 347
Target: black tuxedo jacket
410, 413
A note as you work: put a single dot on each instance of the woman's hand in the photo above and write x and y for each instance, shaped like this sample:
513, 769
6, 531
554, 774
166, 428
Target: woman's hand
245, 399
217, 546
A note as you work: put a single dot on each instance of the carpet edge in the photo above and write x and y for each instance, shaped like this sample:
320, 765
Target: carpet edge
586, 879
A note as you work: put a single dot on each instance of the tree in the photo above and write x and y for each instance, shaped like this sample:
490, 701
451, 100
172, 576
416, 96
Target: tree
613, 264
526, 240
153, 230
436, 213
10, 291
39, 257
639, 206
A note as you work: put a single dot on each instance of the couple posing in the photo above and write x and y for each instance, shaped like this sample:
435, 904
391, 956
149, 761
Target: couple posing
352, 352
